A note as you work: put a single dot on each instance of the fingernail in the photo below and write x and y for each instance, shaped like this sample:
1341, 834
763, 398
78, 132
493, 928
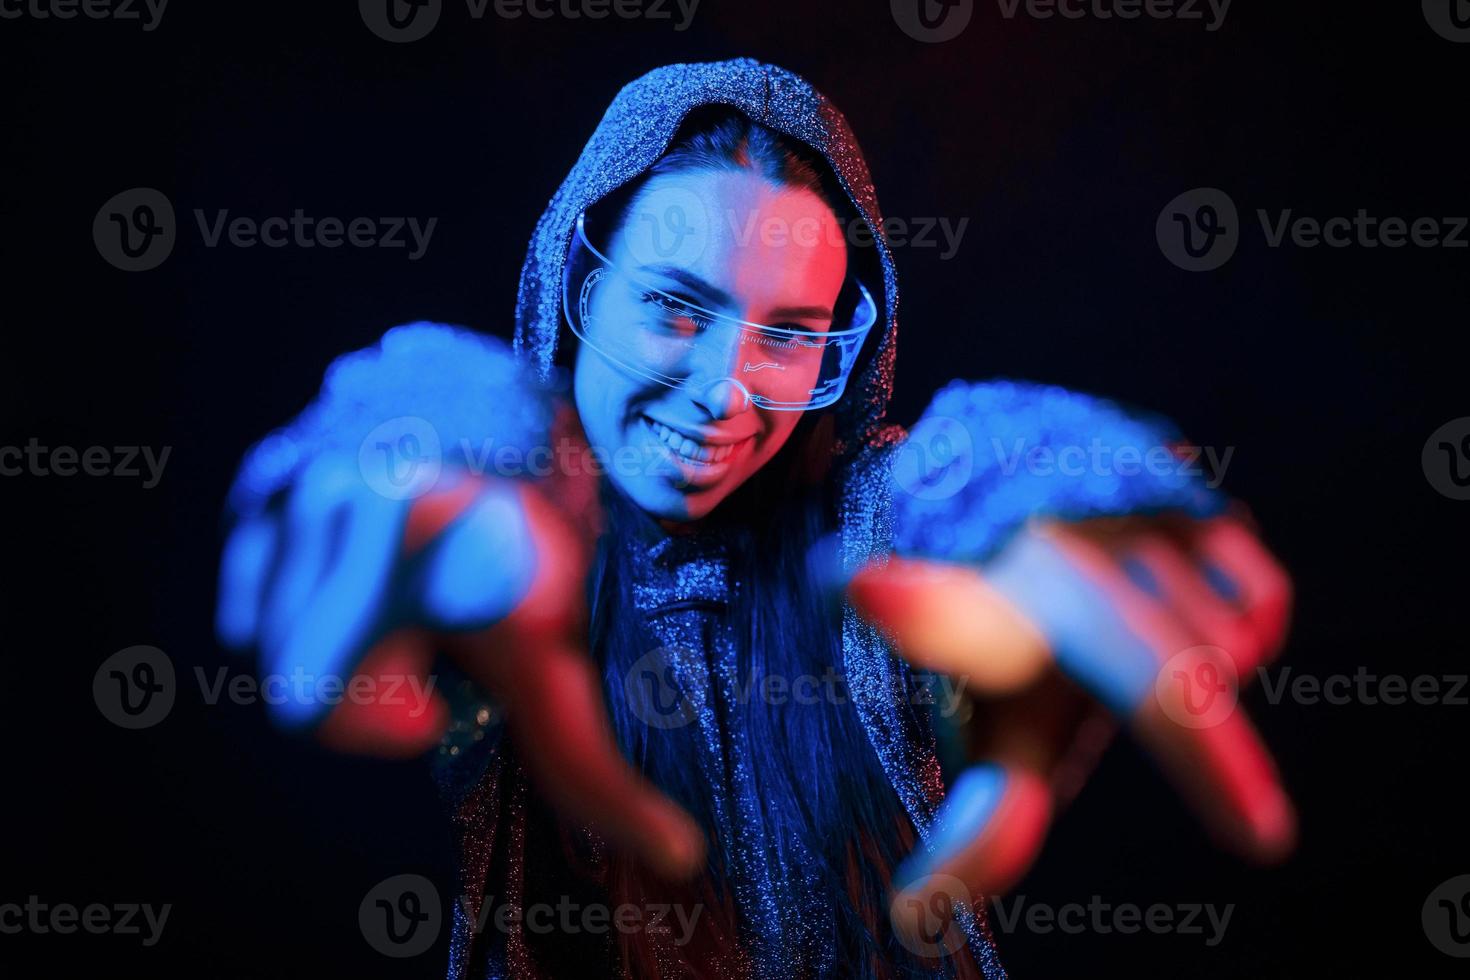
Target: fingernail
1273, 827
683, 852
967, 809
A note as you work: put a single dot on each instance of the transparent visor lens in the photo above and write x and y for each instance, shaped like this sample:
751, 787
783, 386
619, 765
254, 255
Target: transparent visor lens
667, 338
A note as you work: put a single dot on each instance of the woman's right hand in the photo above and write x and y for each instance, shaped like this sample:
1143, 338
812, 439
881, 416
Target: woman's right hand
339, 583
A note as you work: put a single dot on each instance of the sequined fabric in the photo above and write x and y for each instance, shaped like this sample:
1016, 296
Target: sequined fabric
682, 590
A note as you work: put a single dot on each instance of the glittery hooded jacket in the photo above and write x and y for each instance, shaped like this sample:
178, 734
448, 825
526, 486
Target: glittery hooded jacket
465, 390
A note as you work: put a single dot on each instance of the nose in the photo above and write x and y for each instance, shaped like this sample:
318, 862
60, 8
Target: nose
712, 374
723, 398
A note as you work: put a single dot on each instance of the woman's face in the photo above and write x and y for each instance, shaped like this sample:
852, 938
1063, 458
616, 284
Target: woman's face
739, 245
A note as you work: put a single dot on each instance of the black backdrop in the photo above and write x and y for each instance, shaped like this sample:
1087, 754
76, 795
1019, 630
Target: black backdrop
1059, 140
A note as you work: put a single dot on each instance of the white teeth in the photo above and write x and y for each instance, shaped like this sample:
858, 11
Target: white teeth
688, 448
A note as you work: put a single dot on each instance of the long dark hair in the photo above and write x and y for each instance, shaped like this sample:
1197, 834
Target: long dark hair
823, 798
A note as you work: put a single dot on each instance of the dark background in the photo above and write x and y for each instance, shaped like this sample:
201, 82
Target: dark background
1059, 140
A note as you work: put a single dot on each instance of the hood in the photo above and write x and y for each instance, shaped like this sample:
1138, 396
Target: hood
635, 132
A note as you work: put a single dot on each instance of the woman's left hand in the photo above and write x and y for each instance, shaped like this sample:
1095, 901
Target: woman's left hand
1152, 621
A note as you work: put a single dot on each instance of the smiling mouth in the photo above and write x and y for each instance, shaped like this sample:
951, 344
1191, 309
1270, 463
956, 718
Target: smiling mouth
687, 450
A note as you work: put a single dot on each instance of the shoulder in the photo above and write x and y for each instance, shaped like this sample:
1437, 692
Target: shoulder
986, 456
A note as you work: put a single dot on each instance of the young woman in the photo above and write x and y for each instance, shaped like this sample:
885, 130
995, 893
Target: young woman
681, 578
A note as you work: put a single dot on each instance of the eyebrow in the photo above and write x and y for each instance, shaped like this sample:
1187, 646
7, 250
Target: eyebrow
715, 296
